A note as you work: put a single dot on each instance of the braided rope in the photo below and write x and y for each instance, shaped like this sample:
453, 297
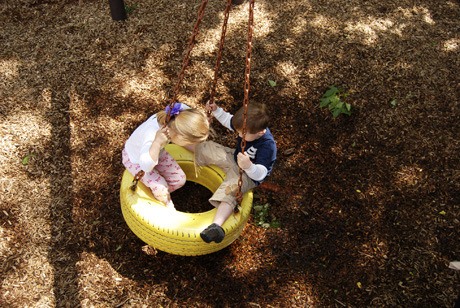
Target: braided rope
246, 91
180, 76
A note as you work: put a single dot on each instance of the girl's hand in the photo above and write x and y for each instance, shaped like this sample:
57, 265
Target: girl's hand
244, 161
211, 107
162, 137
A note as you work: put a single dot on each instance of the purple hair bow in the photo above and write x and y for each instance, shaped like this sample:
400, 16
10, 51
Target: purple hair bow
175, 110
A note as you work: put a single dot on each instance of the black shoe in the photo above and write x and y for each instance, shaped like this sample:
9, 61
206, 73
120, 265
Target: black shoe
213, 232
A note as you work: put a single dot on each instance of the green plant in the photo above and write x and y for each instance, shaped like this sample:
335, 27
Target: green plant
263, 218
333, 100
130, 8
26, 159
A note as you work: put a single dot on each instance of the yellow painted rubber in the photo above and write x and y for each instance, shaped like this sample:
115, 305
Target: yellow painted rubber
177, 232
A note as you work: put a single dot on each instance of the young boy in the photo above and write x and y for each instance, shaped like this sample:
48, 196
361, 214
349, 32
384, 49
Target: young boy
256, 162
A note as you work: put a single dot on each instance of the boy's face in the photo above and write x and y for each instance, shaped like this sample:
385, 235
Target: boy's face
251, 137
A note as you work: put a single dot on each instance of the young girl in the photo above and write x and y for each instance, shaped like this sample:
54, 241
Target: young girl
144, 149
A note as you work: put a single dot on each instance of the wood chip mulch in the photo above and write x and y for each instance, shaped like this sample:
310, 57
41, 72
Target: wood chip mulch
368, 204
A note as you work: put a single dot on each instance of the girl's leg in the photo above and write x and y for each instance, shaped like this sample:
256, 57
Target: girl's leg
153, 180
171, 171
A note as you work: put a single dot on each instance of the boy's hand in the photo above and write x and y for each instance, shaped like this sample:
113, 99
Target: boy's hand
211, 107
244, 161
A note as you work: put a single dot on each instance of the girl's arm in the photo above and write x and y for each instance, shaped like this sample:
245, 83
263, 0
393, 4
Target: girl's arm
150, 152
146, 161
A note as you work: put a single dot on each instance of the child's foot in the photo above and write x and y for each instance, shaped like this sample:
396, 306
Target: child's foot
213, 232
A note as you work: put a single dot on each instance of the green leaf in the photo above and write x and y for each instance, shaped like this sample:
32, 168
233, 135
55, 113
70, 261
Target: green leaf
334, 99
394, 103
332, 91
130, 8
335, 113
26, 159
324, 102
272, 83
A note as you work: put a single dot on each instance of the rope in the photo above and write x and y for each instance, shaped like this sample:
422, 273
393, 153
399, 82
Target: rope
219, 53
186, 60
136, 179
246, 92
180, 76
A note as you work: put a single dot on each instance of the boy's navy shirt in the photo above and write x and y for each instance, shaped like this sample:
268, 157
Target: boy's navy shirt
262, 151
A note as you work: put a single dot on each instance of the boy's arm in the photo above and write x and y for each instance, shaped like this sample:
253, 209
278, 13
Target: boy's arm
222, 116
257, 172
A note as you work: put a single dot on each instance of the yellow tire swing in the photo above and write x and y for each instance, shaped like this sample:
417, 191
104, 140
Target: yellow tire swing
178, 232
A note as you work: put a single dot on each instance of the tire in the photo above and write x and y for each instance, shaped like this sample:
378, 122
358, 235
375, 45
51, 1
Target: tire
177, 232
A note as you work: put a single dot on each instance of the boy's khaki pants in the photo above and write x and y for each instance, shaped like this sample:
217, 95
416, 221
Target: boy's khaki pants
212, 153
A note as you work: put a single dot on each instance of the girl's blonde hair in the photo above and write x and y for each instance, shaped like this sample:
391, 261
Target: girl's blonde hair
191, 125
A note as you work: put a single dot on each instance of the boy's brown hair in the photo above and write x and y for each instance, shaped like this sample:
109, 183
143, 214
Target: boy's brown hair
257, 118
